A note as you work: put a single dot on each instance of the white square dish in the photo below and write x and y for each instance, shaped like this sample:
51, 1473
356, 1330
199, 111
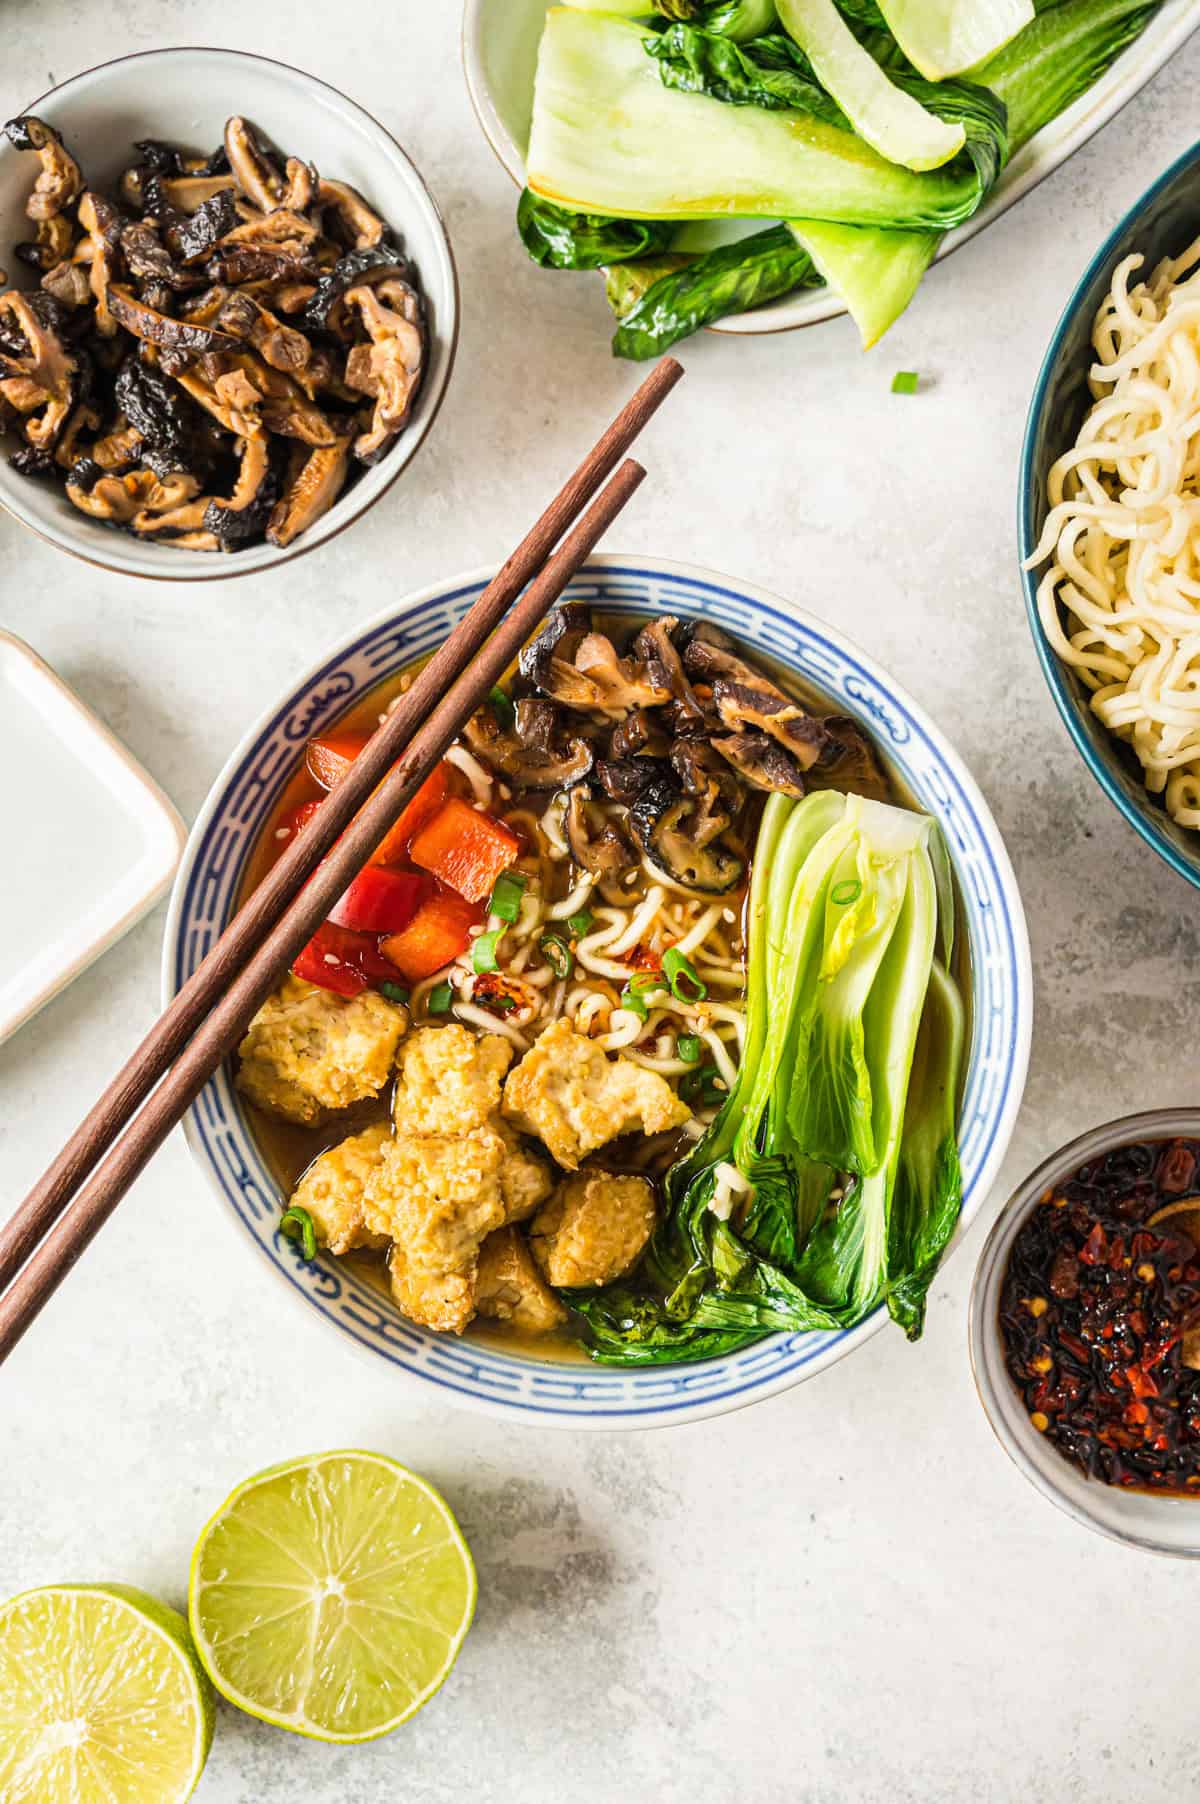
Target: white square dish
92, 841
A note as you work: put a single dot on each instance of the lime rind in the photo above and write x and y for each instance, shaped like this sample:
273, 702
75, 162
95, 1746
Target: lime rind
166, 1630
368, 1661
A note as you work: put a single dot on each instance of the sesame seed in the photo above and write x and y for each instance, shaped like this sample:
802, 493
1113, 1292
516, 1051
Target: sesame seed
330, 959
283, 832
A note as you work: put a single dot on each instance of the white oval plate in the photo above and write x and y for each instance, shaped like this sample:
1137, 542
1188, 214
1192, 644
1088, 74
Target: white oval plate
466, 1372
500, 40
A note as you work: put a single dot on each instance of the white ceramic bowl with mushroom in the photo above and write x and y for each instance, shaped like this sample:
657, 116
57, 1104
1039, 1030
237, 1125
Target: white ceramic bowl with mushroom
99, 115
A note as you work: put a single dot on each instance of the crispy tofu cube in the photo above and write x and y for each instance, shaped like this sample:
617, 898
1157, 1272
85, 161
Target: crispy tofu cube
449, 1080
332, 1190
308, 1053
438, 1198
525, 1181
593, 1229
509, 1287
568, 1092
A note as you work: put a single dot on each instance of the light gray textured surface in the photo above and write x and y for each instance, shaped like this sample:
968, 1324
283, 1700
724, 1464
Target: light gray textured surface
844, 1594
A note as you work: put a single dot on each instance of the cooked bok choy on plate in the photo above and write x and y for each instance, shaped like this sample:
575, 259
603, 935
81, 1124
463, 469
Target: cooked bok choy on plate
712, 156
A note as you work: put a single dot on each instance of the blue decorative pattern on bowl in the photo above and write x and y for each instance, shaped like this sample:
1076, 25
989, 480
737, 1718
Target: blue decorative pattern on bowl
1163, 223
480, 1376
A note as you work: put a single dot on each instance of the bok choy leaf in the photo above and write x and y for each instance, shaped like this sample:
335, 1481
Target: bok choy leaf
829, 1179
608, 137
944, 37
557, 238
894, 122
731, 279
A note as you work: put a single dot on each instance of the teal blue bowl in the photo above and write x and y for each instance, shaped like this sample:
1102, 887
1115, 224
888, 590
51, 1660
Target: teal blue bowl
1163, 223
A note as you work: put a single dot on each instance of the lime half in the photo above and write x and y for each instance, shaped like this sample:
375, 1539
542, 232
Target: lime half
331, 1595
101, 1697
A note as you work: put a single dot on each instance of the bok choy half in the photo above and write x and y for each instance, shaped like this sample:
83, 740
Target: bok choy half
829, 1181
683, 143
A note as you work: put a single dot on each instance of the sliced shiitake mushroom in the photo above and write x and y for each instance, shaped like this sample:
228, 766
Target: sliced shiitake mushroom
389, 369
345, 211
311, 493
682, 841
849, 762
42, 378
597, 843
745, 698
535, 754
762, 762
581, 669
60, 182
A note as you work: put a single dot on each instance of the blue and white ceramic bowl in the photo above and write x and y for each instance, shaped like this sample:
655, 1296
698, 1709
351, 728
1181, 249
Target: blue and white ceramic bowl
464, 1372
1163, 223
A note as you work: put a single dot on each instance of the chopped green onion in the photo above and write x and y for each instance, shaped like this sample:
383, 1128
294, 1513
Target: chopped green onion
483, 958
395, 992
557, 954
633, 996
629, 999
297, 1224
843, 894
506, 896
702, 1085
686, 984
580, 923
689, 1048
440, 998
502, 707
499, 1005
904, 382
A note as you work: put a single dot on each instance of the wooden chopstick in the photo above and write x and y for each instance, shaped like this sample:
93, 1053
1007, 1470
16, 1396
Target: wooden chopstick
43, 1205
247, 989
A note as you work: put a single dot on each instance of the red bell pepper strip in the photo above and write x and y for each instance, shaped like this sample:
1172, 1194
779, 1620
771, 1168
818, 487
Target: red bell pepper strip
330, 758
465, 848
345, 962
437, 934
380, 901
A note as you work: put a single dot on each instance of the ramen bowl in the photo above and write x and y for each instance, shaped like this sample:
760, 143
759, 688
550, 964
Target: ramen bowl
1163, 223
184, 96
565, 1390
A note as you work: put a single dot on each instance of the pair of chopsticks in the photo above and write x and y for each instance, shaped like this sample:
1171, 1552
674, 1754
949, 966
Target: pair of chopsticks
75, 1196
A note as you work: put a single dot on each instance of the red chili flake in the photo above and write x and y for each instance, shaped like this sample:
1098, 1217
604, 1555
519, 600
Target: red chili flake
1094, 1248
1177, 1170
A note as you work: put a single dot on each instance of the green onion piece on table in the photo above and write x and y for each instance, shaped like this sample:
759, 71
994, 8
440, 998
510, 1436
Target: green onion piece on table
904, 382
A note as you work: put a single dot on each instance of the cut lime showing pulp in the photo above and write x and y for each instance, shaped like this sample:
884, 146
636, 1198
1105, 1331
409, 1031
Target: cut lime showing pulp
331, 1595
101, 1697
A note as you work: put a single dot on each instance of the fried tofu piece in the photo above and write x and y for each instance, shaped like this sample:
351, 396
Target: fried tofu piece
449, 1080
568, 1092
525, 1181
308, 1053
332, 1190
437, 1197
593, 1229
509, 1287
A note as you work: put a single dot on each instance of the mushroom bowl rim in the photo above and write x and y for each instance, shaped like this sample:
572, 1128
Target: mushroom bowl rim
475, 1375
261, 560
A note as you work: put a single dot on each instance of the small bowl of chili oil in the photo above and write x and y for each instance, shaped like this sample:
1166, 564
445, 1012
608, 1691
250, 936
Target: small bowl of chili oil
1084, 1316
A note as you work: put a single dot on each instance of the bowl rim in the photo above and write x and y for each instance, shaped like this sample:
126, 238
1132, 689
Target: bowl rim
983, 1327
230, 567
1031, 171
1140, 817
655, 1413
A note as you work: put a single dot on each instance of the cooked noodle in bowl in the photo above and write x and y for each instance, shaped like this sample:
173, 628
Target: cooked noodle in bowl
1119, 600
